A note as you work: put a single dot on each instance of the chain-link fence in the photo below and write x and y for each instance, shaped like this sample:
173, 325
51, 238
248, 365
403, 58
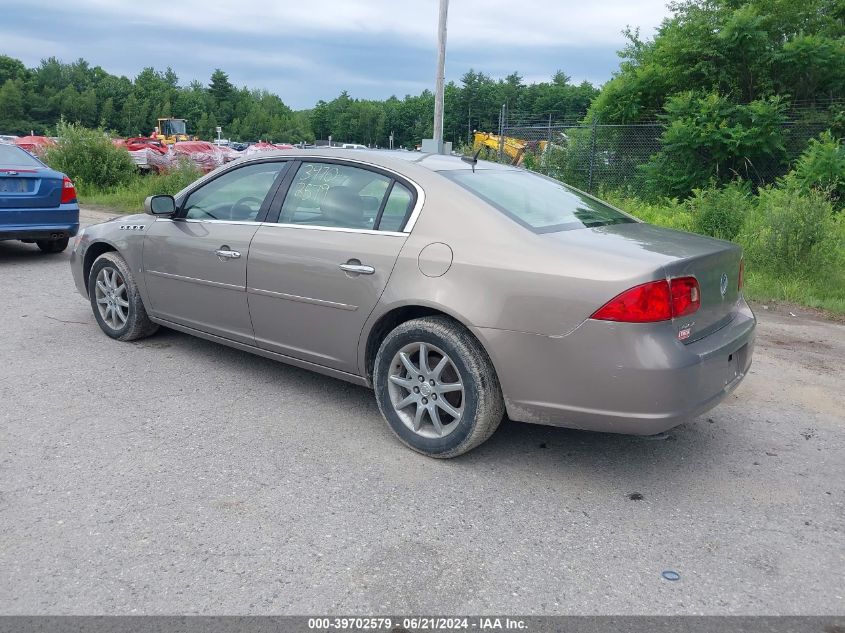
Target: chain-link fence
602, 157
592, 157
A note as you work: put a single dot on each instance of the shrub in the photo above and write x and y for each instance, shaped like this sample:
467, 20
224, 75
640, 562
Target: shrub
130, 196
708, 137
89, 158
568, 158
792, 232
177, 179
821, 166
720, 212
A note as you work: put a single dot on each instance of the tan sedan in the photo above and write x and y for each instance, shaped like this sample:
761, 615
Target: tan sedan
460, 291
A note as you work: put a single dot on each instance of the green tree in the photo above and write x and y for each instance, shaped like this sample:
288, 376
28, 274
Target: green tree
320, 118
93, 96
12, 107
744, 50
722, 75
132, 116
11, 68
108, 115
220, 88
708, 139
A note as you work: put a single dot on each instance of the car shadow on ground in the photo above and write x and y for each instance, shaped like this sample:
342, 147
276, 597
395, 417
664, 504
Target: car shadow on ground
14, 251
515, 445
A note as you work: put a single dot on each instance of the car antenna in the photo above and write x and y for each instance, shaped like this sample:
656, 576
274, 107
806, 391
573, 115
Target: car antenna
472, 160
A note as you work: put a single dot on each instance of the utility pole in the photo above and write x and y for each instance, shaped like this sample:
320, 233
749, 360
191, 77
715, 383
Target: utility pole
440, 78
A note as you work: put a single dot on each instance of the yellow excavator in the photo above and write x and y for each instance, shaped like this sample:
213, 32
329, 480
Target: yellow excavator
513, 148
171, 130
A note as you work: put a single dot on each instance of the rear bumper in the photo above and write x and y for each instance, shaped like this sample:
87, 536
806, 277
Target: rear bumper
39, 224
39, 232
619, 378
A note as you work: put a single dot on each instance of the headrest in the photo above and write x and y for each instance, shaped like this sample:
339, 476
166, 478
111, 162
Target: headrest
343, 205
371, 203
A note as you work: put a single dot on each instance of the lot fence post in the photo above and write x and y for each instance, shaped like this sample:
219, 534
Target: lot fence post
592, 157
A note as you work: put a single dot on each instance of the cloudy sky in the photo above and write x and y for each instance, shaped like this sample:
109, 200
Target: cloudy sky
305, 50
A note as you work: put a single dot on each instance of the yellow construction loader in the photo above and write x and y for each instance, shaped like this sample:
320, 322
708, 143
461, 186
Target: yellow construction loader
513, 148
171, 130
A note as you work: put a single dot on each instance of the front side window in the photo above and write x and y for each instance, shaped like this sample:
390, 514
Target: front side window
236, 195
334, 195
540, 204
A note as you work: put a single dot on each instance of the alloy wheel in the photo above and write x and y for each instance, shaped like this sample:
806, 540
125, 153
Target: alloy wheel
112, 298
426, 390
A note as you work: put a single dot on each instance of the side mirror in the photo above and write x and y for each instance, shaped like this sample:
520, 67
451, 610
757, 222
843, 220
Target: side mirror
160, 205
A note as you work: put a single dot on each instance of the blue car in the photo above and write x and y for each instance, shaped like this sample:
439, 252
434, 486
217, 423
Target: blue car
37, 204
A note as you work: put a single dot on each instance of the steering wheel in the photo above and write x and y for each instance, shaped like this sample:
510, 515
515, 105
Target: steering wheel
243, 203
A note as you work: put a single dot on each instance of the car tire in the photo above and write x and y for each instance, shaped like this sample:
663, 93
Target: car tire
115, 299
52, 246
410, 406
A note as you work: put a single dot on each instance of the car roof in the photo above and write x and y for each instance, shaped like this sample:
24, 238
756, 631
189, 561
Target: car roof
394, 159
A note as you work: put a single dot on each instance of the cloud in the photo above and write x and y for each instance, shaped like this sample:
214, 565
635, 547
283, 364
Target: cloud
29, 46
312, 50
529, 23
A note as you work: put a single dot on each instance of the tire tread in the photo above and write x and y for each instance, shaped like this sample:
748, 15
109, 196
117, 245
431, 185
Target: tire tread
139, 324
491, 406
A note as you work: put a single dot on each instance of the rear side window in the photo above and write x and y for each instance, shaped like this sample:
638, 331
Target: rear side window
538, 203
336, 195
14, 155
395, 209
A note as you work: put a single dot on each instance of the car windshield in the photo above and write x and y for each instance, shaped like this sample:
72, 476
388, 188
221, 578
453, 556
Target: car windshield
14, 155
538, 203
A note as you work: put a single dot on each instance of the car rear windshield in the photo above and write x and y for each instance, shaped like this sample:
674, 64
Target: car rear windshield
538, 203
14, 155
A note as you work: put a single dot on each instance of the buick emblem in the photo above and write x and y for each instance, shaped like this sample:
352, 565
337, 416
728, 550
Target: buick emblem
723, 284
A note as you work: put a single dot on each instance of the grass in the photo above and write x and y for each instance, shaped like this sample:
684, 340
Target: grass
669, 213
826, 294
129, 198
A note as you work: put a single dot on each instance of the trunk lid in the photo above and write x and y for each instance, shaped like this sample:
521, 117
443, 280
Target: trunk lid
639, 246
717, 272
29, 188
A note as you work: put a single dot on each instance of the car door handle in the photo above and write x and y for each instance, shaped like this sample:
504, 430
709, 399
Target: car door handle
225, 253
360, 269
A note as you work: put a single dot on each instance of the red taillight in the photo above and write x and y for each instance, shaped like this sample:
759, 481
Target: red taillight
741, 274
686, 296
641, 304
653, 301
68, 191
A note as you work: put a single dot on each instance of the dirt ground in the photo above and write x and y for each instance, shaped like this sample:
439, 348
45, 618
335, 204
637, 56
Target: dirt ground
803, 354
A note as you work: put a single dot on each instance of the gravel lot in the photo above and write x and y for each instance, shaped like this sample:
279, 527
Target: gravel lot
174, 475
